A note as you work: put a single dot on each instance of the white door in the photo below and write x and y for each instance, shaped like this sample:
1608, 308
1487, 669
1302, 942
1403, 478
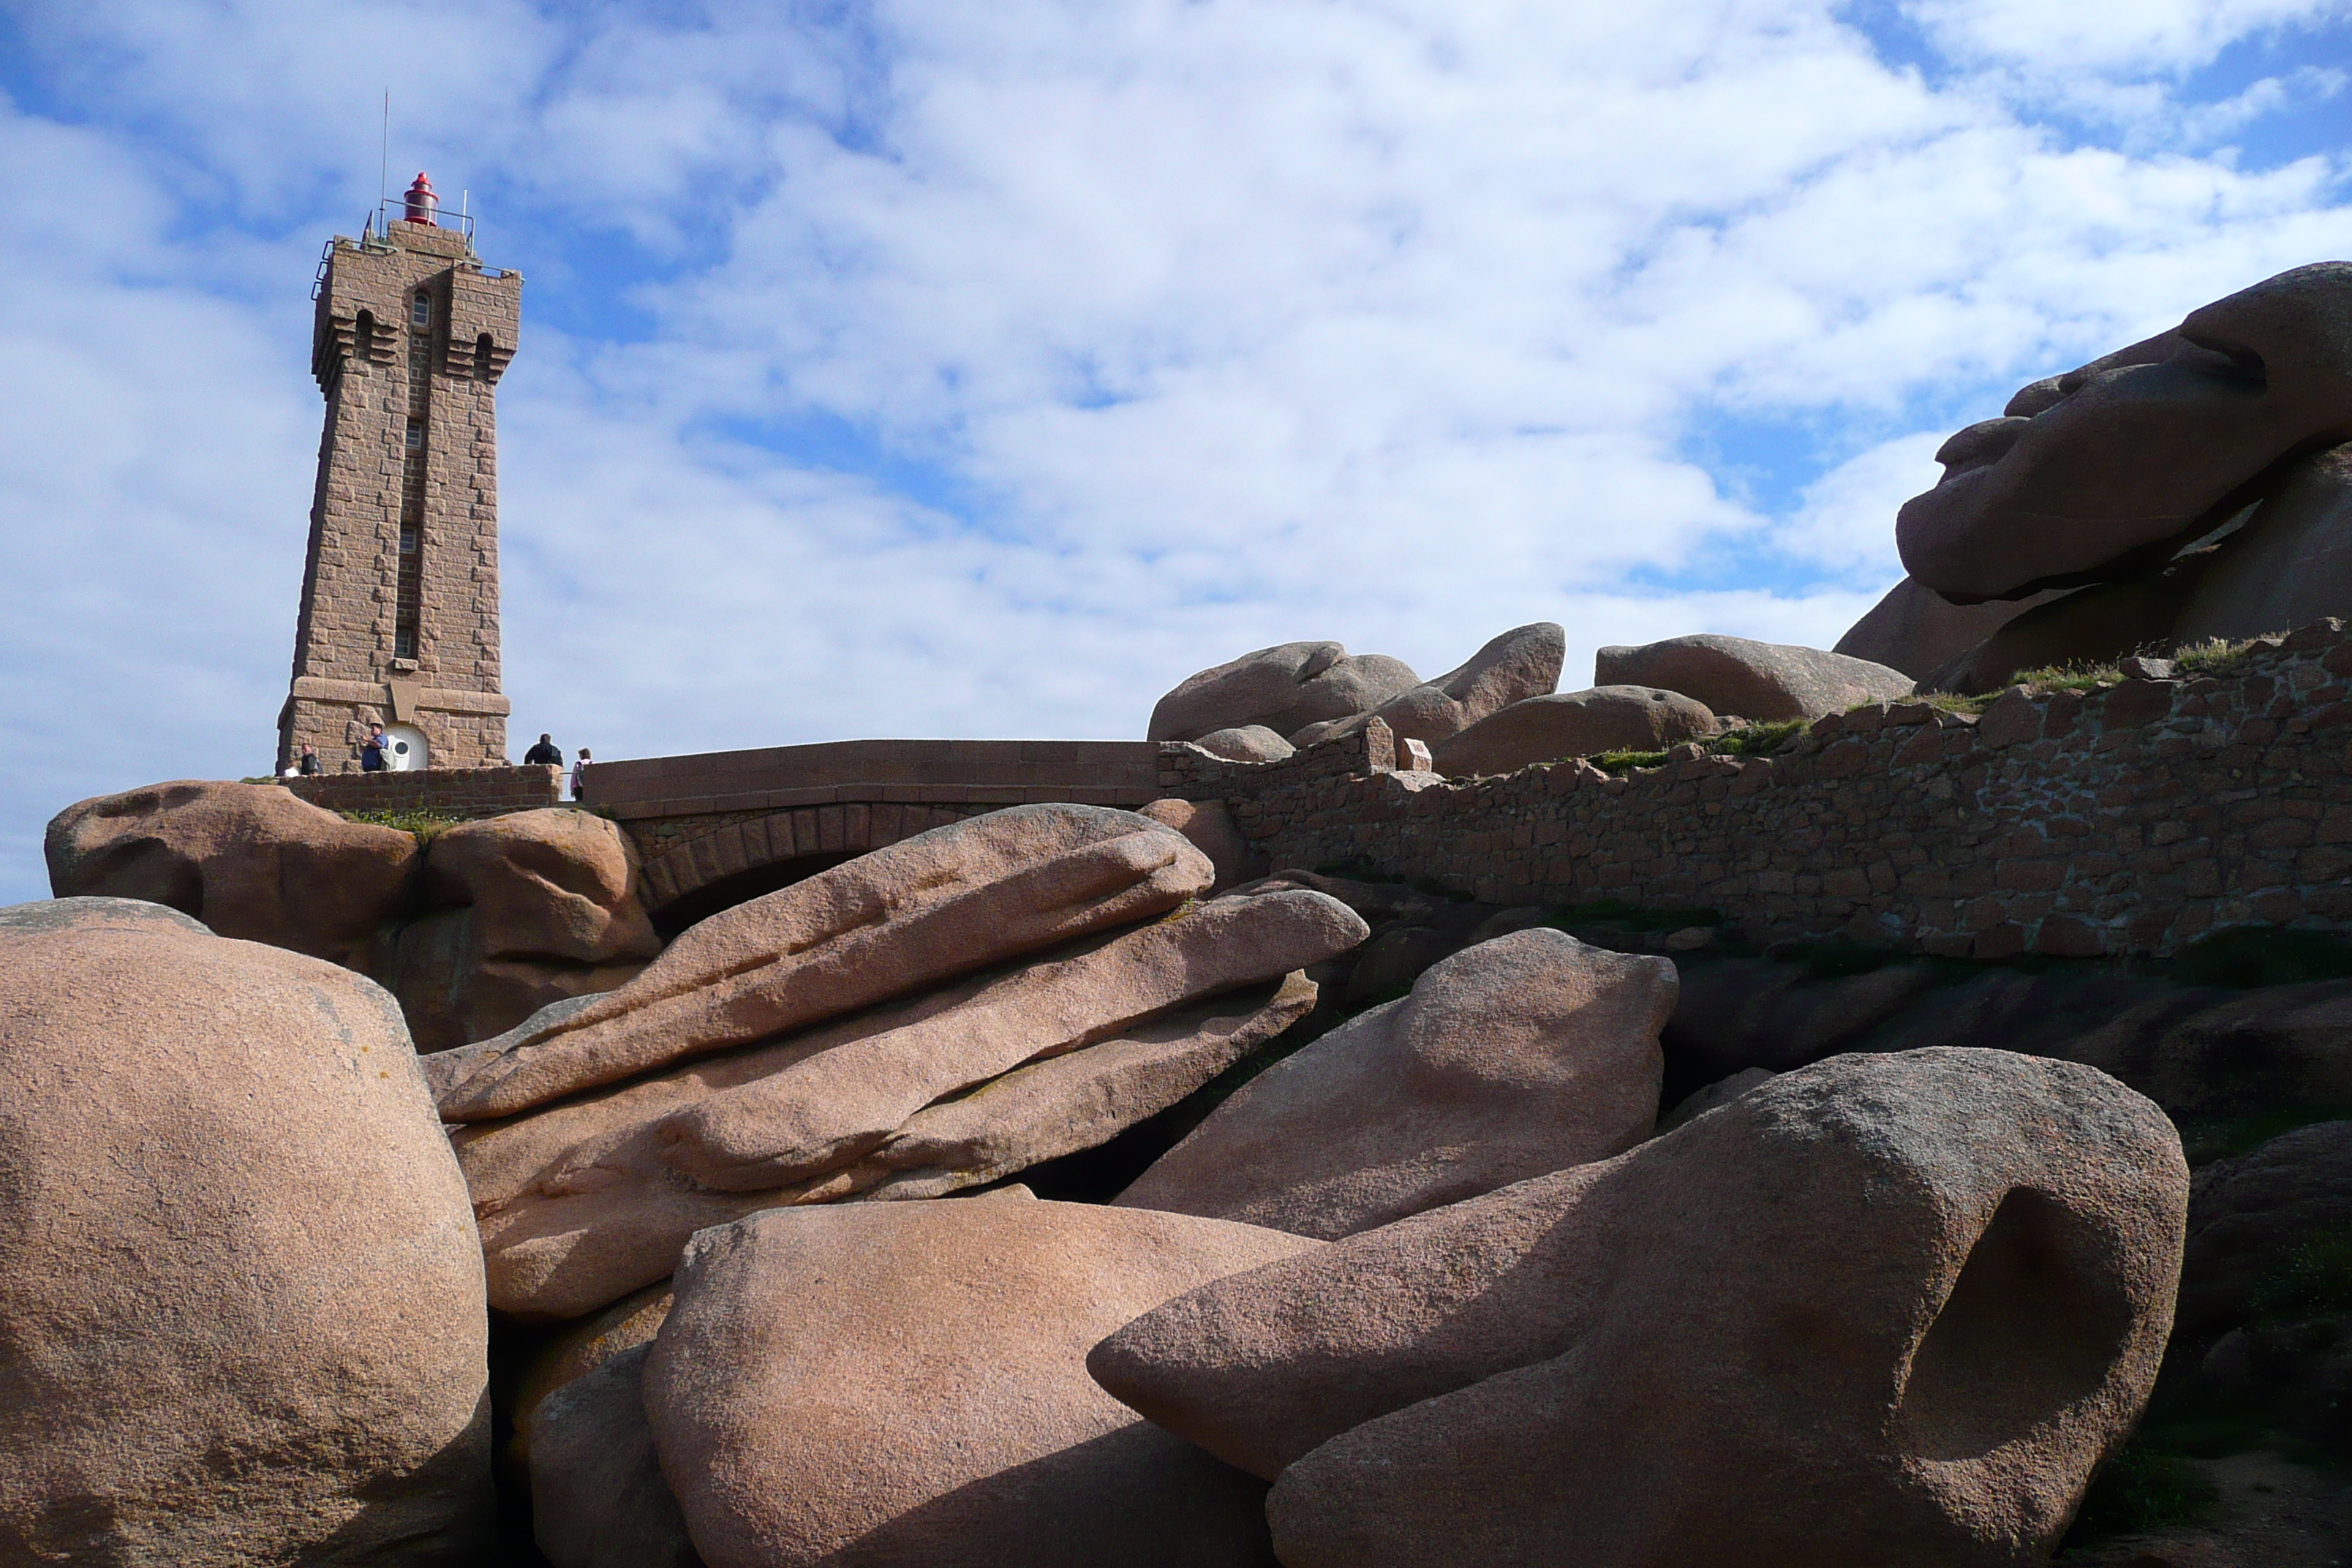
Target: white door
404, 748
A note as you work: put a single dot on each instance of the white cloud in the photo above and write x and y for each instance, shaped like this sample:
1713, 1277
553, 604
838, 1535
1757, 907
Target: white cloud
1223, 323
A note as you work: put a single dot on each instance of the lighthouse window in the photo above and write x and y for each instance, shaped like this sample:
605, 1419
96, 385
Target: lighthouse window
416, 435
420, 311
407, 541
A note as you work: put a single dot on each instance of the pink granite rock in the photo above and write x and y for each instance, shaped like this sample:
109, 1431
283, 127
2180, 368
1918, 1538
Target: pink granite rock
1210, 828
1519, 1056
251, 861
1880, 1310
240, 1295
1283, 688
1760, 680
1523, 662
2102, 472
918, 912
906, 1384
1915, 630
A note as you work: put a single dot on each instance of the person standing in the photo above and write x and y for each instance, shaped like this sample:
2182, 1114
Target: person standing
372, 750
580, 776
543, 755
310, 763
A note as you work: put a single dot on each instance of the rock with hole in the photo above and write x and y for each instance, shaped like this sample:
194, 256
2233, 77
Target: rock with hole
1880, 1310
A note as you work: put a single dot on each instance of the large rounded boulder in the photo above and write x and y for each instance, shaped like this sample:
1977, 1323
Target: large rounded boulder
241, 1302
251, 861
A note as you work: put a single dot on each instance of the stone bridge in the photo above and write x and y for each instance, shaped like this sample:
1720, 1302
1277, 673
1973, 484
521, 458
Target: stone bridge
720, 827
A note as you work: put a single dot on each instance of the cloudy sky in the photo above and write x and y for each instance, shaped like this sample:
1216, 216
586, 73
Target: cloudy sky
905, 368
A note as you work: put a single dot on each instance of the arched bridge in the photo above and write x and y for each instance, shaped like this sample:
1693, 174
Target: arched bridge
723, 827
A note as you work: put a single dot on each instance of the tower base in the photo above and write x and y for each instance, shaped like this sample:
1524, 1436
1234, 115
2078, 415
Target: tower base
459, 729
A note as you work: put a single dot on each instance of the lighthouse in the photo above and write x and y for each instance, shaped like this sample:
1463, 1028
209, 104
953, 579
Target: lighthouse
399, 618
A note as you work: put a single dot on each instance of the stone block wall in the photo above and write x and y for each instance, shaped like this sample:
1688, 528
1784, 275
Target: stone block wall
444, 792
2132, 818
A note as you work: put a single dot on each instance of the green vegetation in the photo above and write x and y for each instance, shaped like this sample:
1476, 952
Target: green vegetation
2143, 1488
2067, 676
2215, 655
427, 826
1755, 740
1954, 702
2317, 1282
1626, 761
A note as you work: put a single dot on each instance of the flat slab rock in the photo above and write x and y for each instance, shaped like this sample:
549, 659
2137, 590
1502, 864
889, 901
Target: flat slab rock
894, 921
906, 1384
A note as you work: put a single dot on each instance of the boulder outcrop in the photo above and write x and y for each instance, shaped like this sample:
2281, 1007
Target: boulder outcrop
598, 1497
1757, 680
1573, 724
906, 1384
1284, 689
1880, 1310
1512, 1059
1916, 630
2247, 1217
534, 907
583, 1202
240, 1292
2089, 475
2290, 564
250, 861
922, 910
1245, 743
1521, 663
1209, 827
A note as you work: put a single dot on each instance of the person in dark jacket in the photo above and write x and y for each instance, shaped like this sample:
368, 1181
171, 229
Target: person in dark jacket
372, 750
543, 755
310, 763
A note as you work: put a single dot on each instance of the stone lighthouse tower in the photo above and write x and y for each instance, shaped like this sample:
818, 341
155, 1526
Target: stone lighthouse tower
399, 624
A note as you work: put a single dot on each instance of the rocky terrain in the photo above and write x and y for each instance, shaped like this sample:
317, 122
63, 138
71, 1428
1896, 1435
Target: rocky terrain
1066, 1185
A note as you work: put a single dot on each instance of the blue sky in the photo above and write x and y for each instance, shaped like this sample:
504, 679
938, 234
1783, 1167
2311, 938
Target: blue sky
917, 369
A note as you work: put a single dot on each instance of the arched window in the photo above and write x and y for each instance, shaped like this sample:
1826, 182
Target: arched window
363, 337
482, 357
420, 310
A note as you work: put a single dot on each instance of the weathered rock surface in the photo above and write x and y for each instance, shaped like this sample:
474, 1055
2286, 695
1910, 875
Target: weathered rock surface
251, 861
1881, 1310
240, 1295
919, 911
2290, 565
1723, 1092
1209, 827
632, 1320
829, 1109
1523, 662
1759, 680
597, 1495
1066, 1103
906, 1384
2097, 625
536, 907
1573, 724
1916, 630
1285, 689
579, 1203
2089, 474
1245, 743
2247, 1217
1512, 1059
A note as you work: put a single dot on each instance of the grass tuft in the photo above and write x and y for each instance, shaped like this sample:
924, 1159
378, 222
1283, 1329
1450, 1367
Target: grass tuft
425, 825
2214, 656
1626, 761
2067, 676
1755, 740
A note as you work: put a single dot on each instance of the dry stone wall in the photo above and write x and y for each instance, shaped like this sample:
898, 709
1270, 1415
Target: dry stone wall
2130, 818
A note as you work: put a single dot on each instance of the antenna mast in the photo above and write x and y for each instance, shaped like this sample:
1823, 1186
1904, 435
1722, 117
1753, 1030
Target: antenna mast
383, 158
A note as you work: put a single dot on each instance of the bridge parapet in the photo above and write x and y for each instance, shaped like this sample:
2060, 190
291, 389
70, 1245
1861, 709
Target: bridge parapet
732, 821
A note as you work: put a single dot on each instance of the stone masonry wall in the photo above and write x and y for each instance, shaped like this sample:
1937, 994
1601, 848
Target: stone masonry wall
2132, 818
445, 792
